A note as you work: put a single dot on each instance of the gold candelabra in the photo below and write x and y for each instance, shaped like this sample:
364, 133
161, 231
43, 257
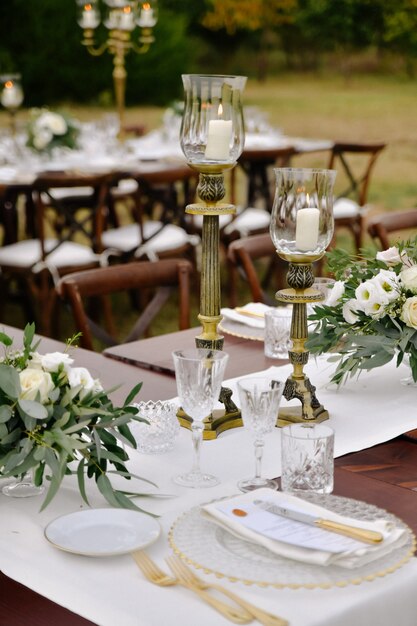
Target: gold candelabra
121, 18
301, 228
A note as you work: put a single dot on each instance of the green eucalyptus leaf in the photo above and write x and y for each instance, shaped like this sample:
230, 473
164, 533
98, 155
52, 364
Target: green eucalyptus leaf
81, 480
5, 339
5, 413
105, 487
9, 381
33, 409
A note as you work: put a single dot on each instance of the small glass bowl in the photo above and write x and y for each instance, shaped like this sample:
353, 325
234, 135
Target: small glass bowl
158, 436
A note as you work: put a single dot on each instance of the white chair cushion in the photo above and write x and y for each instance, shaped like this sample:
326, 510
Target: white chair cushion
127, 237
169, 238
125, 187
249, 220
345, 207
25, 254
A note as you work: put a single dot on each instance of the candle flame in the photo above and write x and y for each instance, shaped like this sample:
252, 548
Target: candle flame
127, 9
8, 84
88, 7
220, 111
146, 6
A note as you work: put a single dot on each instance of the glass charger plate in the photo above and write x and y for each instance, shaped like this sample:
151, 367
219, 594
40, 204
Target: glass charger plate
207, 546
103, 532
230, 327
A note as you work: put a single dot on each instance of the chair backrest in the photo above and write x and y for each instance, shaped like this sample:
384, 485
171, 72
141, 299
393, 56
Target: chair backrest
63, 218
355, 162
242, 254
381, 226
162, 277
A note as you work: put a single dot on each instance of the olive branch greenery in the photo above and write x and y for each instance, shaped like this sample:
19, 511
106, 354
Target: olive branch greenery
367, 341
75, 430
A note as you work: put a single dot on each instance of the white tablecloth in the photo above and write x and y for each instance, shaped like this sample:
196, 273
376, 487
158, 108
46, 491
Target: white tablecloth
112, 591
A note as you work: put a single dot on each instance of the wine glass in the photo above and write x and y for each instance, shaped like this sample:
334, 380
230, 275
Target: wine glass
259, 403
199, 374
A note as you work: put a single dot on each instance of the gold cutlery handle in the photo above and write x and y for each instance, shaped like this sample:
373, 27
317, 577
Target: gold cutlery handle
367, 536
263, 617
234, 615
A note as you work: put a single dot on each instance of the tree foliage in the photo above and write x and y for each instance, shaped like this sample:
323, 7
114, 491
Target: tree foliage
233, 15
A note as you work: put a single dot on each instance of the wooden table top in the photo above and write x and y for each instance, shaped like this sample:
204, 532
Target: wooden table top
385, 475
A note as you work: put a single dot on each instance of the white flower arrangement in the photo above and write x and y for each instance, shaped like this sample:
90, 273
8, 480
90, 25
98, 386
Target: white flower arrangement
48, 130
371, 314
56, 419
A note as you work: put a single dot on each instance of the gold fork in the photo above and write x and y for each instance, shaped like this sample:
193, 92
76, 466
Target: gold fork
190, 578
155, 575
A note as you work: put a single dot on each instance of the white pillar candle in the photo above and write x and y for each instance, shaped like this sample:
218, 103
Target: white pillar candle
218, 140
127, 20
89, 18
146, 19
307, 229
11, 97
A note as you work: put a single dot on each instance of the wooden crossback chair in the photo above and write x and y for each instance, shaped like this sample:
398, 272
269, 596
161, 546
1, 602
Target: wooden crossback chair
355, 163
382, 227
161, 276
242, 255
63, 241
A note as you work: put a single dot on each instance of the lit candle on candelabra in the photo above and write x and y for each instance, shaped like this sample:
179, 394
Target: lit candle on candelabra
11, 96
127, 19
146, 17
89, 17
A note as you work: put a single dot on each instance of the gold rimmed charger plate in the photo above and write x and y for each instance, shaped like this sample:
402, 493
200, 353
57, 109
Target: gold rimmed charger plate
209, 547
242, 331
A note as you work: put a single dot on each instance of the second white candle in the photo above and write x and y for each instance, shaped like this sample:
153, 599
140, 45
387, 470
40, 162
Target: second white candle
307, 229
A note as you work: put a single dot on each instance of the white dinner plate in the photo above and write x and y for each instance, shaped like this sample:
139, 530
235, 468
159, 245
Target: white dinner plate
103, 532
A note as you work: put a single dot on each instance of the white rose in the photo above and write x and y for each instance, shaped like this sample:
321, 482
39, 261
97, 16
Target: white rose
52, 122
391, 256
51, 361
336, 292
57, 124
81, 376
408, 278
34, 381
388, 281
349, 311
409, 312
42, 138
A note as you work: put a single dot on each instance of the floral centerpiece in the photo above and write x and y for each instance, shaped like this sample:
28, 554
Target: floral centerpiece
56, 419
48, 130
371, 314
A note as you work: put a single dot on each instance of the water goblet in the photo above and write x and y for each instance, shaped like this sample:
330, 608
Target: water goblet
259, 403
199, 375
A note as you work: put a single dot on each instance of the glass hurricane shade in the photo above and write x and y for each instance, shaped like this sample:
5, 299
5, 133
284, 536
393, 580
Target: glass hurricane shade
117, 14
212, 129
11, 95
302, 221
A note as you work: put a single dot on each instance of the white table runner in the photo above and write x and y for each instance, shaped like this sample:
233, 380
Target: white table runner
112, 592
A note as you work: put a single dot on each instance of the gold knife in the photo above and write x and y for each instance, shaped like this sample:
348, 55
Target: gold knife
361, 534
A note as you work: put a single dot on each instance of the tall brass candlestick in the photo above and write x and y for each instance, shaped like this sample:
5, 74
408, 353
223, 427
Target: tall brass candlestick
301, 228
212, 139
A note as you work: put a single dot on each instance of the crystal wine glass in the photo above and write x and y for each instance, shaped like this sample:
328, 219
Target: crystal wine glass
259, 403
199, 375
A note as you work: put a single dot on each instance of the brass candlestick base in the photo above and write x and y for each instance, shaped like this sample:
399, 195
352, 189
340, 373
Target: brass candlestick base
211, 190
300, 279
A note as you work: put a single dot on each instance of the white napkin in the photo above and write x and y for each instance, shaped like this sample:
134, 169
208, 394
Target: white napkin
252, 314
331, 548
